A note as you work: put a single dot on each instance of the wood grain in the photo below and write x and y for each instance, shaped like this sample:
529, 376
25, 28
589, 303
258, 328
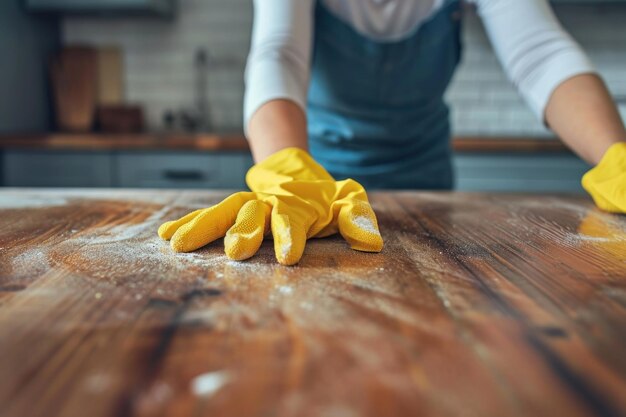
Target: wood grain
479, 305
237, 142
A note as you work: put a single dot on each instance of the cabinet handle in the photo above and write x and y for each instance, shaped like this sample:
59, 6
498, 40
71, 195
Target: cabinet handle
183, 175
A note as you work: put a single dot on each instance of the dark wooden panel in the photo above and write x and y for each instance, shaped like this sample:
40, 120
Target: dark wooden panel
479, 305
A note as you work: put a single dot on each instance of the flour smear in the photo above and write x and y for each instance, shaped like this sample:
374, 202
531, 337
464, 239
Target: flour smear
365, 224
208, 384
8, 201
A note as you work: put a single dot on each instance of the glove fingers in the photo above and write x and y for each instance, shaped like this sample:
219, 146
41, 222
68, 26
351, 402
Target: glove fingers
208, 225
359, 227
167, 229
289, 238
244, 239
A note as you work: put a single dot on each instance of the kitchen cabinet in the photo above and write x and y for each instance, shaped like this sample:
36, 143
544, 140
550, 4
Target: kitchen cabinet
161, 8
226, 170
182, 170
213, 161
479, 305
519, 172
27, 168
56, 169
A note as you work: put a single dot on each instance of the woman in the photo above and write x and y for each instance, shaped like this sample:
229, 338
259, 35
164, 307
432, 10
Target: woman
360, 84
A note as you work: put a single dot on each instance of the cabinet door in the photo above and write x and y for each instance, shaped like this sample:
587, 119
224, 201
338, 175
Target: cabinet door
56, 169
182, 170
519, 173
164, 8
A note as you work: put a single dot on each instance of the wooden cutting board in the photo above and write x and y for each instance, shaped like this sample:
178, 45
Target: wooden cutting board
479, 305
74, 74
110, 76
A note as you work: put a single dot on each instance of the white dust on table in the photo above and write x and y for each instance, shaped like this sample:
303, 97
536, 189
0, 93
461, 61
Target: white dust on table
114, 253
159, 392
248, 264
307, 305
140, 243
9, 201
208, 384
35, 258
196, 258
120, 233
338, 410
594, 238
285, 289
152, 400
125, 255
98, 382
125, 232
124, 249
365, 224
573, 238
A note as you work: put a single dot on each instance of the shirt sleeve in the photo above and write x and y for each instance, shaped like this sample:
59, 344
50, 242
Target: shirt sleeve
535, 51
278, 64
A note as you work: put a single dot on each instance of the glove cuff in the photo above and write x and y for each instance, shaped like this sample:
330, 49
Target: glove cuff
616, 152
289, 164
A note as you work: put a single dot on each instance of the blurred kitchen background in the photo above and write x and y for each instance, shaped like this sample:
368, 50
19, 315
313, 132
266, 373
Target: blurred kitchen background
149, 94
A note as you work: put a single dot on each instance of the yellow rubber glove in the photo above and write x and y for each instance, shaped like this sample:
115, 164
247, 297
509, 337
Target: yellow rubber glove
295, 198
606, 183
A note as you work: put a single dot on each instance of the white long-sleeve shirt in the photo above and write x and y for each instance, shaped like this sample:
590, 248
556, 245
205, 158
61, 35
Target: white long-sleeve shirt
535, 51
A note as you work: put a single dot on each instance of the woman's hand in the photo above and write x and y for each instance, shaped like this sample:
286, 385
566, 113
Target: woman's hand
295, 198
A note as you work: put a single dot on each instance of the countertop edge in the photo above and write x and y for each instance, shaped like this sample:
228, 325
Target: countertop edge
237, 142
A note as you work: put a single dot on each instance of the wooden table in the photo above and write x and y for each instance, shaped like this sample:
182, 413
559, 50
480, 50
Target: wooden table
479, 305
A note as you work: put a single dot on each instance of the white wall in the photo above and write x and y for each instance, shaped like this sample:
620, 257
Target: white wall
160, 73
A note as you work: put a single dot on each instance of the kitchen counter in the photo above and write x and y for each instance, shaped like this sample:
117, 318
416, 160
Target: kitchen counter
479, 305
237, 142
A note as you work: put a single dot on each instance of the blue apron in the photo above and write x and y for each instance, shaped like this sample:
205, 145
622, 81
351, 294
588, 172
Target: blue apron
375, 109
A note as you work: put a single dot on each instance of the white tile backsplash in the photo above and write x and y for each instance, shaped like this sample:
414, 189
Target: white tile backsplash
481, 90
159, 63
